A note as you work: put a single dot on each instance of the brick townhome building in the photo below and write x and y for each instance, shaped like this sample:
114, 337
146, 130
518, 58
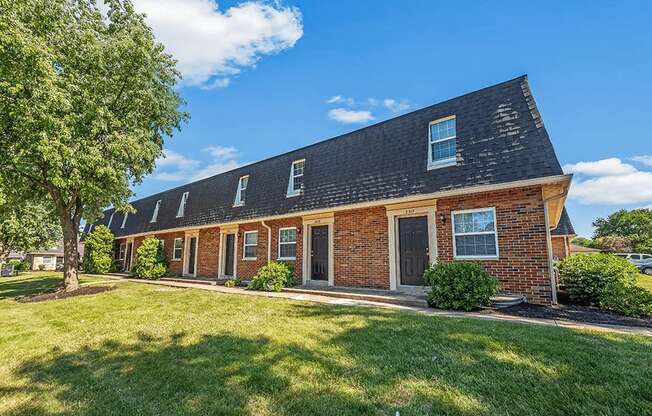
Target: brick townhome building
471, 178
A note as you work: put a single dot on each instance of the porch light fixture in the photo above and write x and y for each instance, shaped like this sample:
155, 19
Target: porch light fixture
442, 218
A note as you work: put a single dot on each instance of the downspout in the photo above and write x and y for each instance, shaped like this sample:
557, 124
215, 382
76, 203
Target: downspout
269, 241
551, 265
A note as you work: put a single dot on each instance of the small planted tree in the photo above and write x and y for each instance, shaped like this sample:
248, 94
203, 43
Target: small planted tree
98, 250
86, 99
150, 260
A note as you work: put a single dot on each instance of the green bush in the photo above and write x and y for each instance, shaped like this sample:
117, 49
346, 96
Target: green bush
150, 260
628, 300
20, 265
98, 250
461, 286
232, 282
274, 276
586, 276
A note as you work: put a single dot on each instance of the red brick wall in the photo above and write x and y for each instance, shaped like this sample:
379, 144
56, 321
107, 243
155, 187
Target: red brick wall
208, 252
361, 249
523, 263
286, 223
248, 268
175, 266
559, 247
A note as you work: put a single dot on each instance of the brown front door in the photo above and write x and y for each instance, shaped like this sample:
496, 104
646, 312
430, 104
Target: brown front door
319, 253
413, 249
128, 257
228, 256
191, 255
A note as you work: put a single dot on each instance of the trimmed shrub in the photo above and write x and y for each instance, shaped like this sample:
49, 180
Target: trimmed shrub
586, 276
628, 300
98, 250
274, 276
150, 260
20, 265
462, 286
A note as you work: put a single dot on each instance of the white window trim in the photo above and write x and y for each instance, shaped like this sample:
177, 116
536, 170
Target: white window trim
155, 213
124, 220
122, 250
245, 245
238, 202
280, 243
291, 191
174, 249
182, 205
437, 164
495, 233
110, 221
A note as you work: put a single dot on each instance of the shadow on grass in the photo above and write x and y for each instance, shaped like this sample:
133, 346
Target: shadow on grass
359, 362
24, 285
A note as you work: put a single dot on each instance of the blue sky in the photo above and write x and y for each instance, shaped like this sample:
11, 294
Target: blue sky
264, 78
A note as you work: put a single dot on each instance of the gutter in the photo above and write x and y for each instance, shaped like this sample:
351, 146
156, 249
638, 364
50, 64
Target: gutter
269, 241
551, 265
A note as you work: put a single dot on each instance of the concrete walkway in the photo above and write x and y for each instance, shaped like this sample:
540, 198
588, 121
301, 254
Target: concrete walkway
346, 301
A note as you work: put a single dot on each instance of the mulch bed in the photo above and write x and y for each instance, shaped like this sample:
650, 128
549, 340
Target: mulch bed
577, 313
60, 294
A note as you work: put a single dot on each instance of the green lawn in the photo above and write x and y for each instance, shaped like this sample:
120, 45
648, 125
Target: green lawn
150, 350
645, 281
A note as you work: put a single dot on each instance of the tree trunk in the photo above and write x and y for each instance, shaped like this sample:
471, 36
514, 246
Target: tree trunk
70, 253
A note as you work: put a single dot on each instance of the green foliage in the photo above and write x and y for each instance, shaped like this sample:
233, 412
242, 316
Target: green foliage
98, 250
581, 241
150, 260
613, 244
274, 276
635, 225
629, 300
232, 282
460, 285
20, 265
87, 98
586, 276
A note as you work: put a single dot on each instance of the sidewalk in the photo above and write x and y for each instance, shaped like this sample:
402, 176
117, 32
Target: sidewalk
352, 301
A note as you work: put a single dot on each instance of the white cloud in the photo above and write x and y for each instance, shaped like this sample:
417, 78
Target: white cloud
342, 115
644, 159
181, 168
215, 168
609, 182
208, 42
605, 167
173, 159
338, 99
396, 106
216, 83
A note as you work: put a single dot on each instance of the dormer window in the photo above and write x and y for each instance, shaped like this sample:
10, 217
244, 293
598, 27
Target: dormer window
182, 205
295, 186
241, 191
110, 220
442, 143
124, 220
155, 213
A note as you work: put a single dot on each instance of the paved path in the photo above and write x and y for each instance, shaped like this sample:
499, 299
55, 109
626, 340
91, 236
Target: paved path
364, 303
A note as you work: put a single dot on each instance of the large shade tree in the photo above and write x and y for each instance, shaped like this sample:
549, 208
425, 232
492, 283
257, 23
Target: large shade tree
87, 97
636, 225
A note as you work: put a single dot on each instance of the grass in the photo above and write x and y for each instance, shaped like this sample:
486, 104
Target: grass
151, 350
645, 281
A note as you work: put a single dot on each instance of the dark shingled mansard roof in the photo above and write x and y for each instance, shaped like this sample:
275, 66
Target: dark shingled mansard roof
565, 226
500, 138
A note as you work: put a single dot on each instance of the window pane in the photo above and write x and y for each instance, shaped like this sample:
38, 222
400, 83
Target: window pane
298, 168
443, 130
475, 245
250, 251
297, 183
178, 244
288, 250
289, 235
444, 150
251, 238
243, 182
242, 195
474, 222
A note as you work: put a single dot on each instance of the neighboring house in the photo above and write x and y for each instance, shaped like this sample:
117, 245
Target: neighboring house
50, 259
473, 178
562, 236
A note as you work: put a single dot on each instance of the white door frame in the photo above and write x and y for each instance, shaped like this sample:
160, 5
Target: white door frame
131, 254
224, 231
186, 252
308, 223
393, 216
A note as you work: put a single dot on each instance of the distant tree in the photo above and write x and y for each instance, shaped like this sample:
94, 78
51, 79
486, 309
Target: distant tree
582, 241
86, 100
98, 250
635, 225
26, 226
613, 244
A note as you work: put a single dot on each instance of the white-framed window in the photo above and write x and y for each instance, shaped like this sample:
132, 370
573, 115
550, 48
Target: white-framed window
474, 234
110, 220
121, 252
124, 220
287, 243
250, 245
295, 186
155, 213
49, 260
241, 191
178, 249
442, 143
182, 205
